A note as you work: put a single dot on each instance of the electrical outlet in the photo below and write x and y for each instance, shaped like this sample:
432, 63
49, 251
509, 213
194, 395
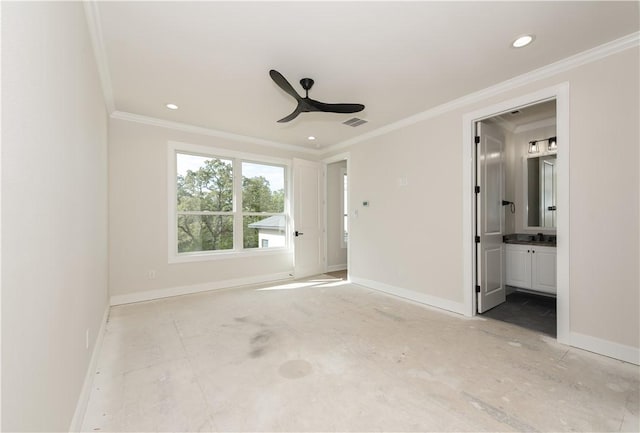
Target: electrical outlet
151, 275
86, 339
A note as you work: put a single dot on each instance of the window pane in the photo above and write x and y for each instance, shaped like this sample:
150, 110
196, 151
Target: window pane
345, 207
204, 233
262, 188
204, 184
345, 198
264, 232
345, 232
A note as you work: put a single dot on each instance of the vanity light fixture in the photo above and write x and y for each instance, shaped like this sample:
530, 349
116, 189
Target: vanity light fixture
552, 145
522, 41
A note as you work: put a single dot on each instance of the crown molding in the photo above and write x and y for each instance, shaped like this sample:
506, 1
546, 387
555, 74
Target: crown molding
92, 16
95, 30
585, 57
192, 129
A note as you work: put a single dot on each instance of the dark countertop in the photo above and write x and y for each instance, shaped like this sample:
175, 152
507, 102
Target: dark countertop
528, 239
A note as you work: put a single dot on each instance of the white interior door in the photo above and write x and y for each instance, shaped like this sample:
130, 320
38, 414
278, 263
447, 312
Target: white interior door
490, 217
308, 217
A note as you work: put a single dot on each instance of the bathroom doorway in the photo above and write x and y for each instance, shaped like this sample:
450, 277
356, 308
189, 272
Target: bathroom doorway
337, 217
516, 177
545, 292
523, 189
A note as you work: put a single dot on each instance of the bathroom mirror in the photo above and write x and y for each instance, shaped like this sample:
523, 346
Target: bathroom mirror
540, 176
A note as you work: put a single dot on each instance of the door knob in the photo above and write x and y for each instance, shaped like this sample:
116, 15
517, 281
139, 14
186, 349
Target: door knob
298, 233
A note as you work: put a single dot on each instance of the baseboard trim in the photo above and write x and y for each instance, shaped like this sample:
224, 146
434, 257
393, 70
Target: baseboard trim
605, 347
85, 393
421, 298
150, 295
336, 268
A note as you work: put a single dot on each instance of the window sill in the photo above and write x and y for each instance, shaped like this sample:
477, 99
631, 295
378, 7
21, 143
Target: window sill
226, 255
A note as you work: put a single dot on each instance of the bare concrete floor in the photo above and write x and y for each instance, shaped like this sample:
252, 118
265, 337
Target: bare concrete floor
325, 355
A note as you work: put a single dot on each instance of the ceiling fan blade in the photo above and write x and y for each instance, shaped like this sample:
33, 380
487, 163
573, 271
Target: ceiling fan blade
336, 108
282, 82
293, 115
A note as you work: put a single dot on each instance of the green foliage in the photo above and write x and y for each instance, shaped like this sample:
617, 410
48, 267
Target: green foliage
250, 235
204, 233
210, 188
258, 197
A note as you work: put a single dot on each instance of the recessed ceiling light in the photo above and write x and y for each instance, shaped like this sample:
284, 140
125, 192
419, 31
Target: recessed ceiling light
311, 138
172, 106
522, 41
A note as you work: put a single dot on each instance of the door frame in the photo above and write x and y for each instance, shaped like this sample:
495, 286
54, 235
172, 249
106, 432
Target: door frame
560, 93
345, 156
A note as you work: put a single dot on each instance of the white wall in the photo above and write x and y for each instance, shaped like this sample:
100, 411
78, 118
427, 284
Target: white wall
54, 212
419, 254
336, 254
138, 218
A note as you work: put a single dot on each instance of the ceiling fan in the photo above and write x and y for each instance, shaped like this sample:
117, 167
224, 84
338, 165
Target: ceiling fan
307, 104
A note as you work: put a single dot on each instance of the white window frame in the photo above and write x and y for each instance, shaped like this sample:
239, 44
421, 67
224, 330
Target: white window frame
237, 159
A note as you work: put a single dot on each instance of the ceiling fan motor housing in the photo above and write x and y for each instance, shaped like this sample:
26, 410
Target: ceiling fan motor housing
306, 83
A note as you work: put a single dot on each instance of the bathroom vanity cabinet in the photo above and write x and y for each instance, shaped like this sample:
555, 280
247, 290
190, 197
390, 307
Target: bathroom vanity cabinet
531, 267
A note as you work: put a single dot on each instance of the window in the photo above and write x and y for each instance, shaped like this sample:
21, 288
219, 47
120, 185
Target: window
224, 204
263, 217
204, 202
345, 210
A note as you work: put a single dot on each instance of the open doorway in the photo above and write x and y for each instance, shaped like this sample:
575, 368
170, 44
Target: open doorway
516, 202
337, 217
559, 93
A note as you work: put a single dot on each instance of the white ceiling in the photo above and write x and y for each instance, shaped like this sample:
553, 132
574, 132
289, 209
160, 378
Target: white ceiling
398, 58
541, 114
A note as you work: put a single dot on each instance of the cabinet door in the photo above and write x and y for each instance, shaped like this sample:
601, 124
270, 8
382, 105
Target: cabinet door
518, 266
543, 269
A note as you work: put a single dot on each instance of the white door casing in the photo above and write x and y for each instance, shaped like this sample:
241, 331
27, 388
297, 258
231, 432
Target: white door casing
308, 221
560, 93
490, 217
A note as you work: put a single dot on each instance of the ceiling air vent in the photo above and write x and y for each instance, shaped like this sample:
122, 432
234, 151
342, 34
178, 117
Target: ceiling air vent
354, 121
